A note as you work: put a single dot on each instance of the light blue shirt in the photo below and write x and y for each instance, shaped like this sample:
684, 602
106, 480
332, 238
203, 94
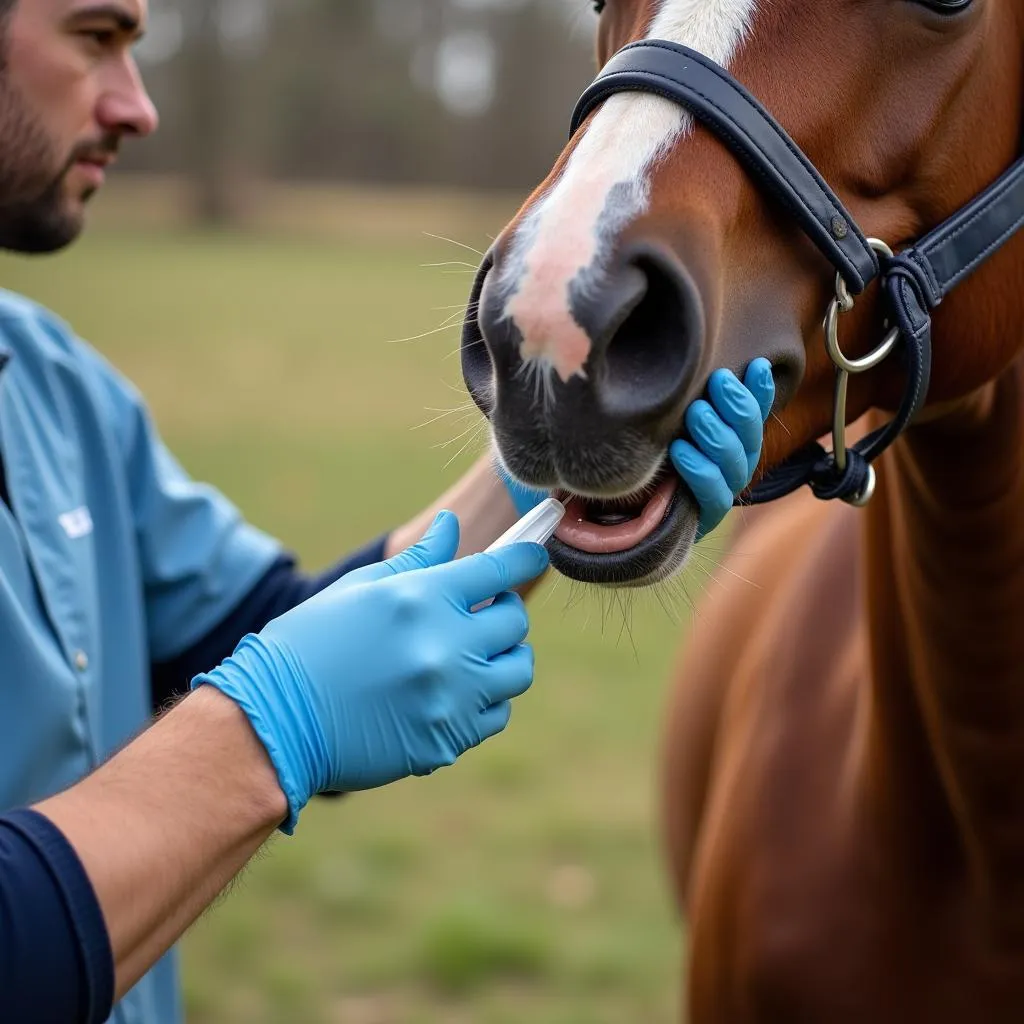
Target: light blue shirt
112, 559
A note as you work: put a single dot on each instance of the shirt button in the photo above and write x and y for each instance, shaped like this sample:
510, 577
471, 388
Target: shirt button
81, 660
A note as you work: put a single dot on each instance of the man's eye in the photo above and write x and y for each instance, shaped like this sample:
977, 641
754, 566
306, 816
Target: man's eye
103, 37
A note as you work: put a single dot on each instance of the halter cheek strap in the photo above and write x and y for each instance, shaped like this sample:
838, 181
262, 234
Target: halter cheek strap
718, 101
915, 281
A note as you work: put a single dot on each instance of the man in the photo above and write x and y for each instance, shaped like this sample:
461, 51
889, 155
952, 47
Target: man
121, 580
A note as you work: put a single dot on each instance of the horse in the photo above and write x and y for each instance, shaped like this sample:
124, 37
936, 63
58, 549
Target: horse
843, 763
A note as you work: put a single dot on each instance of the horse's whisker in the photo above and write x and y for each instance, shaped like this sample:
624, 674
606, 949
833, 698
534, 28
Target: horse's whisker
455, 320
738, 576
627, 610
420, 337
457, 437
451, 241
576, 595
465, 407
660, 592
458, 389
469, 441
443, 414
457, 351
461, 306
449, 263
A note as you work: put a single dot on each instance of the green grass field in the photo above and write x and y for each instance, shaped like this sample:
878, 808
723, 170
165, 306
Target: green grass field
525, 883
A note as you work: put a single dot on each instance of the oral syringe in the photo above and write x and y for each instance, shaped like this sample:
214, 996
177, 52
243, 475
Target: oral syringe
537, 526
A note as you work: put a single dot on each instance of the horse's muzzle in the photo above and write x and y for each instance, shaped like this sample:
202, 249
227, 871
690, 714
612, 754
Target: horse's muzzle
604, 431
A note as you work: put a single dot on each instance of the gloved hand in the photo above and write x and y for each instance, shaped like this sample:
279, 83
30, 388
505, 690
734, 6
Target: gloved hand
727, 434
387, 673
524, 498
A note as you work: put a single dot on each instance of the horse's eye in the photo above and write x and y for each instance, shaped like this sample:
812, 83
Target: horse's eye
599, 5
946, 6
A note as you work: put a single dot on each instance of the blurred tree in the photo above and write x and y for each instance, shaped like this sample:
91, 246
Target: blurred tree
206, 88
471, 93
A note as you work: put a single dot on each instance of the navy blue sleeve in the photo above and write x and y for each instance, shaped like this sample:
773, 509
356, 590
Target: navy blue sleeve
55, 956
280, 589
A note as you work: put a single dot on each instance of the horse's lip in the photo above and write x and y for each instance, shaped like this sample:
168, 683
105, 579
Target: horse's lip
645, 563
651, 506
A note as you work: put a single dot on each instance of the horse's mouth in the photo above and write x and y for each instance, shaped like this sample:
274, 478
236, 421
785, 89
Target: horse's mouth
631, 541
602, 527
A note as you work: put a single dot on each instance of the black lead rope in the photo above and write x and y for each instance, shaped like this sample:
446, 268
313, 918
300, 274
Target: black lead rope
914, 281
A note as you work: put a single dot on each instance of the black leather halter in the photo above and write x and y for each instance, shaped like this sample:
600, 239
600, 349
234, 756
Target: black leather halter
915, 281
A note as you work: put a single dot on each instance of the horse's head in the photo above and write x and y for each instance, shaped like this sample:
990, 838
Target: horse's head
650, 257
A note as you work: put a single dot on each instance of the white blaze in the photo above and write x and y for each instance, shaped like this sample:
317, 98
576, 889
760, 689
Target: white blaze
566, 231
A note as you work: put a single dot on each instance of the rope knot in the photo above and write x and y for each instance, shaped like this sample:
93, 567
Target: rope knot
827, 482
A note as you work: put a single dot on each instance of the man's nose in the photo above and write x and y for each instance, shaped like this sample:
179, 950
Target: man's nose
125, 106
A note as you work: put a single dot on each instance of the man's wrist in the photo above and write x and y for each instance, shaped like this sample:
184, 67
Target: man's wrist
252, 770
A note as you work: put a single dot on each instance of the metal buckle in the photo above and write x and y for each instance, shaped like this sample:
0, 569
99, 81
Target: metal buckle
843, 303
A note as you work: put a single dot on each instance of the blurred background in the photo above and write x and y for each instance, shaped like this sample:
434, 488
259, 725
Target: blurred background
452, 94
282, 270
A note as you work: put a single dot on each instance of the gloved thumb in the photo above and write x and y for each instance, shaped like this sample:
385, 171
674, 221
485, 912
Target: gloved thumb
438, 545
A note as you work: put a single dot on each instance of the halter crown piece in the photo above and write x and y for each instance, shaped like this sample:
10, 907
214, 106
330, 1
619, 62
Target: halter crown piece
914, 281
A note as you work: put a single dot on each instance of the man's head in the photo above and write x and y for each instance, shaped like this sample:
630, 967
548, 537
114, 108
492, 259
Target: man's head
69, 92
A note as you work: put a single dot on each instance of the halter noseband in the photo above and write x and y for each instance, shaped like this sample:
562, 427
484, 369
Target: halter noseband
915, 281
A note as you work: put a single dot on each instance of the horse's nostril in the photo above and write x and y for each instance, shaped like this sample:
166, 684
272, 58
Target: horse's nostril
650, 358
477, 365
635, 329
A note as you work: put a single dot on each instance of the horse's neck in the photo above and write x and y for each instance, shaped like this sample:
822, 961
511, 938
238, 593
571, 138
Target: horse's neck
945, 570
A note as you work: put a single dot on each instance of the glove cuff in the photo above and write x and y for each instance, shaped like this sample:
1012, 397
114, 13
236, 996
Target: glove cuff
252, 678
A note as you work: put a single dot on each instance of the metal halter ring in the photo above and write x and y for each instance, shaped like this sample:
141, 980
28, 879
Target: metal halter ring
843, 303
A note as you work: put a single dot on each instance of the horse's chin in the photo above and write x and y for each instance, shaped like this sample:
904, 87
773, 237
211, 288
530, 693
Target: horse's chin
634, 542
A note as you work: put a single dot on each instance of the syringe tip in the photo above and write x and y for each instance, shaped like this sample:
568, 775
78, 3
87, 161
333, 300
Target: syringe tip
537, 526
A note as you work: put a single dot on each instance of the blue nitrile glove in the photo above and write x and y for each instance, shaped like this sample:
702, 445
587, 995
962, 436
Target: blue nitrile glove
727, 436
524, 498
387, 673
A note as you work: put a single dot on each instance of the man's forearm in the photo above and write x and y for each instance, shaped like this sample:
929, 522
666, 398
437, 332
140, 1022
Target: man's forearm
481, 502
165, 825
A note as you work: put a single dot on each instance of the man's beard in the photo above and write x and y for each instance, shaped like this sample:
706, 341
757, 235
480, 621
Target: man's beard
35, 215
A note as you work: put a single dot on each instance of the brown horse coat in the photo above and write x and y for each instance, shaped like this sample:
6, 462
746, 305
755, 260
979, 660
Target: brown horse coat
844, 757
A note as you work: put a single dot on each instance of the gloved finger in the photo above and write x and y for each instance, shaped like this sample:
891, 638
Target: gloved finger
502, 625
495, 719
364, 574
508, 676
478, 577
706, 482
738, 408
524, 498
437, 546
760, 382
719, 443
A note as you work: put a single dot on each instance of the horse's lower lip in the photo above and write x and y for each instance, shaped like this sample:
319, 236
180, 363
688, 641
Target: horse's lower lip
576, 531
